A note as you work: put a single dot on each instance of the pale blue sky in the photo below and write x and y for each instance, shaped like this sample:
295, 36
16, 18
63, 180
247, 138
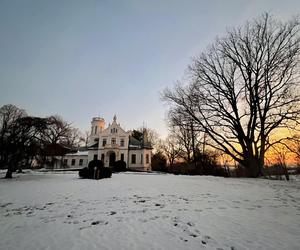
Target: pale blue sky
87, 58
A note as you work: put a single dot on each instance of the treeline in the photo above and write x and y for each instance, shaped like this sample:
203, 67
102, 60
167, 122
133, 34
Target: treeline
187, 155
27, 140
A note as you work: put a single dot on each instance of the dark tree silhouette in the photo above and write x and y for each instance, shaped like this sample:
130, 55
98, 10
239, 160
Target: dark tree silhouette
59, 137
244, 89
24, 138
9, 115
21, 138
171, 149
186, 134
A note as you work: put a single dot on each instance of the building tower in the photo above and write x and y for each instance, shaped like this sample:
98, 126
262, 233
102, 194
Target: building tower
97, 126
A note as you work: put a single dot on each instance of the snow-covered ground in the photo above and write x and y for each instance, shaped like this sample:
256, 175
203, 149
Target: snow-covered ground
148, 211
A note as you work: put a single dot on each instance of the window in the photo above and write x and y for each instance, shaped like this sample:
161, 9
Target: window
96, 129
133, 158
122, 143
95, 157
73, 162
147, 158
102, 157
103, 142
141, 158
65, 161
80, 162
113, 141
113, 130
122, 157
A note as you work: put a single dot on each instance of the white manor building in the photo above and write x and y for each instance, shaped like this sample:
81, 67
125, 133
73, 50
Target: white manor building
112, 143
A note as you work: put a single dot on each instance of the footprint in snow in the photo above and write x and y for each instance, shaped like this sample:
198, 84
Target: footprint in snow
191, 224
185, 240
99, 222
49, 203
5, 204
198, 210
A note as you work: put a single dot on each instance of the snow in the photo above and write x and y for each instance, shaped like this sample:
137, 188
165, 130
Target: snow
78, 153
147, 211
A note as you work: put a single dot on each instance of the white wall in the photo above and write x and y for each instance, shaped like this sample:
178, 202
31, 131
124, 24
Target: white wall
140, 159
91, 155
77, 160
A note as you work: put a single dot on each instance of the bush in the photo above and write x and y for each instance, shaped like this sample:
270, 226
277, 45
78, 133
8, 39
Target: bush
95, 170
105, 173
95, 163
85, 173
241, 171
159, 162
119, 166
204, 166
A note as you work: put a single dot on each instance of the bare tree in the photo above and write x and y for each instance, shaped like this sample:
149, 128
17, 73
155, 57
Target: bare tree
171, 149
244, 89
281, 154
147, 135
85, 138
57, 138
21, 138
58, 131
186, 134
8, 116
73, 138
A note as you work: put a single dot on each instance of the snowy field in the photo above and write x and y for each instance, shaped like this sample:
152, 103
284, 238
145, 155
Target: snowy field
147, 211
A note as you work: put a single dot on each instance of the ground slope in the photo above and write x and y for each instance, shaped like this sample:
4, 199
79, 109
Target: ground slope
148, 211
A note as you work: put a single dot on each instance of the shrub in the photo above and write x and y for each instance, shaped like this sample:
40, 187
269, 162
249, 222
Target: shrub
241, 171
95, 163
105, 173
119, 166
85, 173
159, 162
95, 170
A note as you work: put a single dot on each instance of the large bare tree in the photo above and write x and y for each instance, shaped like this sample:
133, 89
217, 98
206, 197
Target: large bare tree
20, 138
58, 131
244, 89
9, 116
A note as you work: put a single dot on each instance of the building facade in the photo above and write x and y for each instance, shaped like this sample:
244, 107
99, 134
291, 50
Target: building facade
113, 143
73, 160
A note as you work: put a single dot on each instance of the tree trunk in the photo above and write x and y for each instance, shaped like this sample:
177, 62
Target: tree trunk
193, 145
10, 169
8, 174
286, 172
253, 167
